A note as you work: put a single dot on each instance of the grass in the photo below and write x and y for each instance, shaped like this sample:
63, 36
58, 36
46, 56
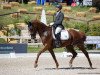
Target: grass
37, 49
2, 40
5, 20
31, 8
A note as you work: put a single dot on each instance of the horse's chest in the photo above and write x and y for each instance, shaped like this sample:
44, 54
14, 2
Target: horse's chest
44, 36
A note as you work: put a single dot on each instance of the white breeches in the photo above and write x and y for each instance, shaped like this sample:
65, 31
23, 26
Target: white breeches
58, 29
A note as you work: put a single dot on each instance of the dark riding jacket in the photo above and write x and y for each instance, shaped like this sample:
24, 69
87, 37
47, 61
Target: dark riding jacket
58, 19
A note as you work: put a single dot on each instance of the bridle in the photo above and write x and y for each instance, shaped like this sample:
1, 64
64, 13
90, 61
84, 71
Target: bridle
32, 30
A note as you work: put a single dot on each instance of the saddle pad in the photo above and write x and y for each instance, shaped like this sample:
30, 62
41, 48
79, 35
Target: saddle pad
64, 35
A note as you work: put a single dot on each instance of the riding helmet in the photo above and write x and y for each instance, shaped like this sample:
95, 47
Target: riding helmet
59, 6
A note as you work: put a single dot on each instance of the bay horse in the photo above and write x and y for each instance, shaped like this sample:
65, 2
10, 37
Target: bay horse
77, 38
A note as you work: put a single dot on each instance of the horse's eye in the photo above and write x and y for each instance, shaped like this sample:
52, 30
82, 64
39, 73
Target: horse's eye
30, 27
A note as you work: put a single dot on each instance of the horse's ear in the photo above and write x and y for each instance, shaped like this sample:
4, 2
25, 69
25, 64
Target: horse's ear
27, 22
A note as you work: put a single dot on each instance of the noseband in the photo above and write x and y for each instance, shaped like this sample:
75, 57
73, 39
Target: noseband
33, 33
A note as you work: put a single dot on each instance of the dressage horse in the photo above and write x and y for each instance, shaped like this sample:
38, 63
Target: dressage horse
76, 38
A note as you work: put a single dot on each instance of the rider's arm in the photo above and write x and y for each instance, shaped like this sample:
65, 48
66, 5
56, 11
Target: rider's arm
60, 19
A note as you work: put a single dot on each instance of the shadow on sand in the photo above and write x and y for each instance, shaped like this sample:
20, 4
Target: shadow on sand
68, 68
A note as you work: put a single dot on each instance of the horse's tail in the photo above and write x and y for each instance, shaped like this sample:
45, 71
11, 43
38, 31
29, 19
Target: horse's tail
83, 36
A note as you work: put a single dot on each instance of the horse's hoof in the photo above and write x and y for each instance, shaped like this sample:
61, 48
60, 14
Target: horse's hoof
91, 67
57, 66
70, 65
35, 65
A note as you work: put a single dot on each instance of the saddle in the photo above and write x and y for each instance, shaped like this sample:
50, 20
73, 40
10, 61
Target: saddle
64, 35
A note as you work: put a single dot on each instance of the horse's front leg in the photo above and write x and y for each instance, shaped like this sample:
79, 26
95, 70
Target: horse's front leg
54, 57
41, 51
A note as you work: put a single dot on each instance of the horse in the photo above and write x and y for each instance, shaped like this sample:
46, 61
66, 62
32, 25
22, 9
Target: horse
76, 38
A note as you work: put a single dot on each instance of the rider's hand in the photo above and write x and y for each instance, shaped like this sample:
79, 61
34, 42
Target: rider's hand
51, 23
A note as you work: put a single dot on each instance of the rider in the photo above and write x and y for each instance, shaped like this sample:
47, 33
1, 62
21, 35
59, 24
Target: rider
57, 25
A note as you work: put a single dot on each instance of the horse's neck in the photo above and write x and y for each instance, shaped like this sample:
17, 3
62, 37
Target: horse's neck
43, 32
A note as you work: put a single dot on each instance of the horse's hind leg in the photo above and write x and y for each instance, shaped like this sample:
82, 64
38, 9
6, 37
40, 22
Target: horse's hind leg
81, 47
54, 57
71, 49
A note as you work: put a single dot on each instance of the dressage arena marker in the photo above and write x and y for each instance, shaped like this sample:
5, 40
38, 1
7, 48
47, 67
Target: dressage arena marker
43, 17
12, 55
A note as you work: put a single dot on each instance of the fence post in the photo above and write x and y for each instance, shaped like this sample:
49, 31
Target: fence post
7, 35
17, 14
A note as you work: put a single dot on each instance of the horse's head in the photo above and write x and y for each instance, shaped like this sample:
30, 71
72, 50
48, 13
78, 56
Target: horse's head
32, 29
36, 26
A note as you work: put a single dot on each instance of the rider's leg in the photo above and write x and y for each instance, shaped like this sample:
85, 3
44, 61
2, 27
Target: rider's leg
58, 30
57, 35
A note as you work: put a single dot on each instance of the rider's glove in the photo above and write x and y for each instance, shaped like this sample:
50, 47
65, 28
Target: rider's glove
51, 23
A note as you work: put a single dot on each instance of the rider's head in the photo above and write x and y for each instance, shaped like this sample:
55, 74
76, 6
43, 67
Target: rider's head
58, 7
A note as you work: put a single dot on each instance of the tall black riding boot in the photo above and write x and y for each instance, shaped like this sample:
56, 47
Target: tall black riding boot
58, 41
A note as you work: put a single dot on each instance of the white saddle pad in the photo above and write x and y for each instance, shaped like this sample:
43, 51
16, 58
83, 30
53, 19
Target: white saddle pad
64, 35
